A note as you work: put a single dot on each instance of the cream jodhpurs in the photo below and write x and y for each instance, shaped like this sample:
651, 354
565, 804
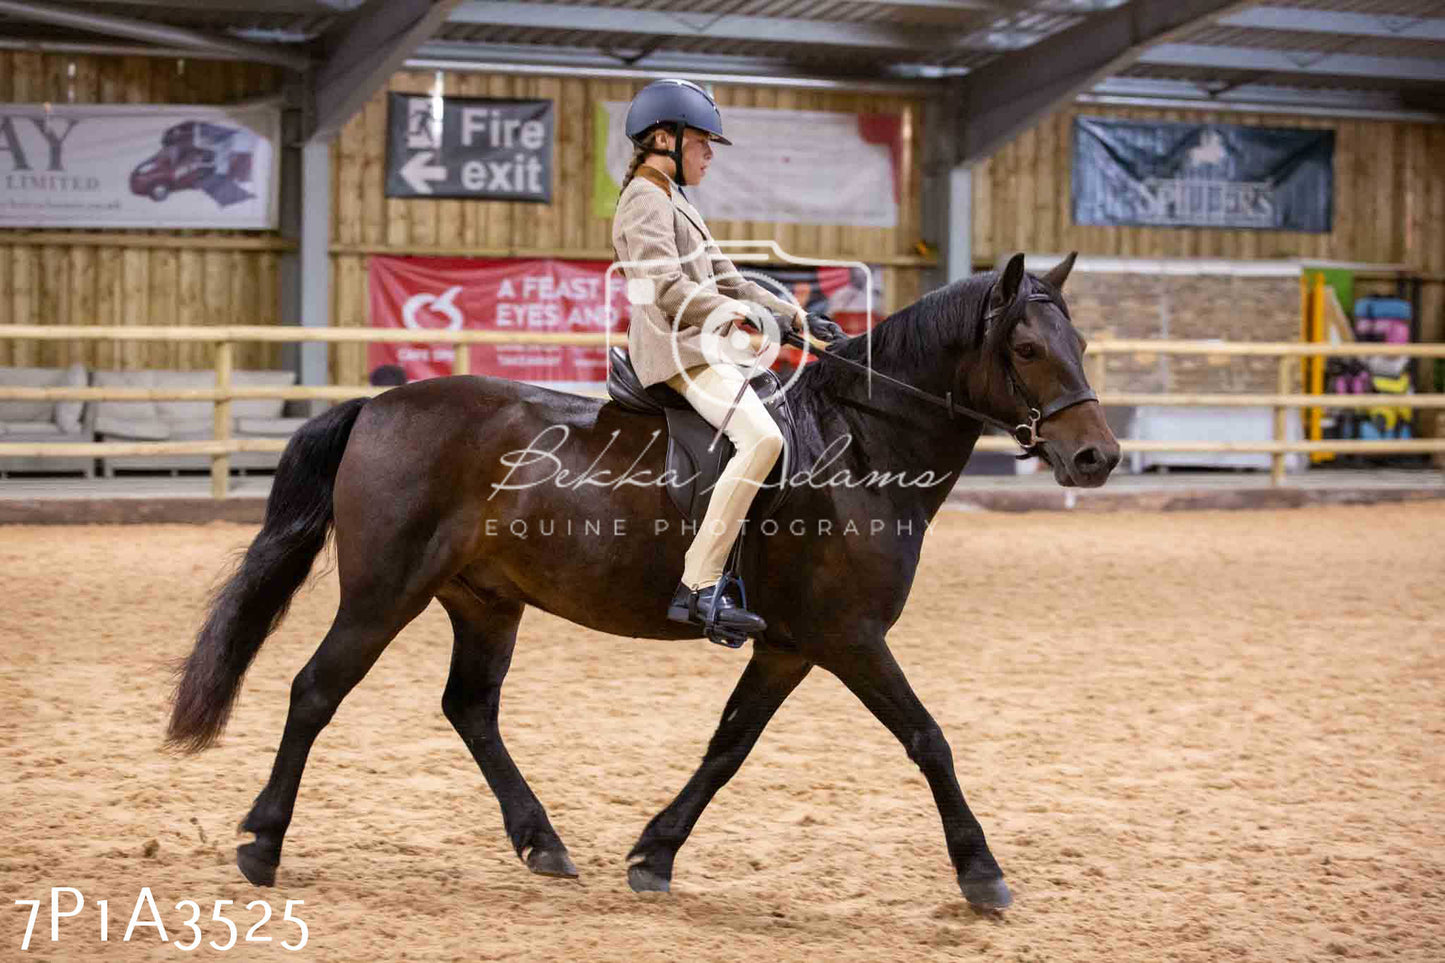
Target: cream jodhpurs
710, 390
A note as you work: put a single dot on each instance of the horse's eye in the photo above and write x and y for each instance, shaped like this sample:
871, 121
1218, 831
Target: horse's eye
1026, 351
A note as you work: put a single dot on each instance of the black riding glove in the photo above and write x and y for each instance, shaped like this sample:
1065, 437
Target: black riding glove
824, 328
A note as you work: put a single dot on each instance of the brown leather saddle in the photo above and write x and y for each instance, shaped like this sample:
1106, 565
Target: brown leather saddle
693, 470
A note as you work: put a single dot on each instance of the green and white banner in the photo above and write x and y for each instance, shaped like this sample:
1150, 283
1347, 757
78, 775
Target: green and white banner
788, 166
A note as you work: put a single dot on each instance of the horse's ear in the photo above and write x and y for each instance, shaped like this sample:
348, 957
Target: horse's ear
1008, 285
1060, 272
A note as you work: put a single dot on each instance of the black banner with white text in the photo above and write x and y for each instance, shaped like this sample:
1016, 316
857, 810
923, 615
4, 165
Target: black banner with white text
469, 147
1202, 175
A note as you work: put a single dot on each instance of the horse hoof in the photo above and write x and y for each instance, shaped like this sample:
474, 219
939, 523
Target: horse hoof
990, 895
551, 862
644, 880
257, 870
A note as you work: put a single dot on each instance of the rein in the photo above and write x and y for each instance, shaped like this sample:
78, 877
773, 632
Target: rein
1025, 433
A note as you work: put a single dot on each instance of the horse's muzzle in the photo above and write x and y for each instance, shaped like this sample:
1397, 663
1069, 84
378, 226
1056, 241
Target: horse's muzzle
1090, 466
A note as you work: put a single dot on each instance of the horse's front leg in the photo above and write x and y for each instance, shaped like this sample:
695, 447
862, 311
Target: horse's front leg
770, 677
870, 671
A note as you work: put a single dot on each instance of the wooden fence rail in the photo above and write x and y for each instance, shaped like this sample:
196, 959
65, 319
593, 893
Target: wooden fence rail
224, 393
343, 392
257, 332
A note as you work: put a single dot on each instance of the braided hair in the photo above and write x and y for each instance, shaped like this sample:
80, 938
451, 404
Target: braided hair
641, 148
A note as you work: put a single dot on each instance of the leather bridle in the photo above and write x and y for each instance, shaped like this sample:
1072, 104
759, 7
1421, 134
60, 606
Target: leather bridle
1025, 433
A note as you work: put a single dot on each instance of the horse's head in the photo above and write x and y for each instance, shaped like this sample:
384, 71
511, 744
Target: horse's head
1032, 357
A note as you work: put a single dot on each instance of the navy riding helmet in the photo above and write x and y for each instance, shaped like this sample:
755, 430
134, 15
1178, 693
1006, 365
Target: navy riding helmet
676, 104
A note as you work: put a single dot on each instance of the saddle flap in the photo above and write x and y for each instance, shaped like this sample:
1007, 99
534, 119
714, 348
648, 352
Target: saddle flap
693, 470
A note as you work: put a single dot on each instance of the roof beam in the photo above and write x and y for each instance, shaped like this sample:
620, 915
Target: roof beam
998, 6
551, 60
1010, 93
149, 32
312, 7
1338, 22
1007, 6
539, 58
1263, 61
104, 48
1264, 98
871, 34
682, 62
365, 51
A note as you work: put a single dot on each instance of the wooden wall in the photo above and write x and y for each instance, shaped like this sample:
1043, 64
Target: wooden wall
366, 222
1390, 208
134, 277
1389, 202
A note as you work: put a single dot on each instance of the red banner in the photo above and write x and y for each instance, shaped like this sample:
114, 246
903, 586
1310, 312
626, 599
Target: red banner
499, 295
851, 296
424, 293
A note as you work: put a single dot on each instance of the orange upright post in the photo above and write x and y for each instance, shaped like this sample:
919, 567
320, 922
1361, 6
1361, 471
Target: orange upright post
1305, 336
1317, 364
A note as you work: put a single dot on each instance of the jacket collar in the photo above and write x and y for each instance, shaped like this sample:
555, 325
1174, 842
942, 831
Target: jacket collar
679, 200
655, 176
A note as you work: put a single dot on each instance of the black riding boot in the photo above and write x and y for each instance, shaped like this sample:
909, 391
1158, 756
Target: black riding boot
719, 610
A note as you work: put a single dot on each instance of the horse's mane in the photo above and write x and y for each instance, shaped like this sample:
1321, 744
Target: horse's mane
908, 343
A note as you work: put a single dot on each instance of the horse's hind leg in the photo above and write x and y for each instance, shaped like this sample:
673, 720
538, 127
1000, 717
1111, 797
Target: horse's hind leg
366, 622
486, 631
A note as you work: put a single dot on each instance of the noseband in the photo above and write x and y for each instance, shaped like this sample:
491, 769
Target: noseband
1025, 433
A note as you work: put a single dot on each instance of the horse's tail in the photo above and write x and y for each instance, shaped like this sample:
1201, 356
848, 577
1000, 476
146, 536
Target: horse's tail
252, 602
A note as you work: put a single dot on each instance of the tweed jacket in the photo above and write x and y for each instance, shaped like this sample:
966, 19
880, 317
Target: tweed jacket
688, 281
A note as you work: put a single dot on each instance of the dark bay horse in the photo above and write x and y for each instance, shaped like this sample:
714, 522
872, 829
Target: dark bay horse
424, 484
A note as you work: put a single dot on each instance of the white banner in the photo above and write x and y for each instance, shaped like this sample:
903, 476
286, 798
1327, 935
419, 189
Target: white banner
792, 166
138, 165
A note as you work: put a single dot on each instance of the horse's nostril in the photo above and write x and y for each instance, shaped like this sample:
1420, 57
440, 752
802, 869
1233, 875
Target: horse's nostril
1088, 459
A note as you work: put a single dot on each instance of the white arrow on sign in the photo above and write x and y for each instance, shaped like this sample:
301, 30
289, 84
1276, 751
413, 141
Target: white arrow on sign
416, 172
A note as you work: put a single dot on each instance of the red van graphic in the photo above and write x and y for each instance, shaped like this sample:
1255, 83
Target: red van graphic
197, 155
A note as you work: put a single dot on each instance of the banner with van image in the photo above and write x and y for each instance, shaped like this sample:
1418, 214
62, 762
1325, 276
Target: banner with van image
138, 166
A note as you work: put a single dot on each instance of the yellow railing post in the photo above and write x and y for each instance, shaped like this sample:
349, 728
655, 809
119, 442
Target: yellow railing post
1316, 384
1304, 337
1281, 424
221, 461
461, 359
